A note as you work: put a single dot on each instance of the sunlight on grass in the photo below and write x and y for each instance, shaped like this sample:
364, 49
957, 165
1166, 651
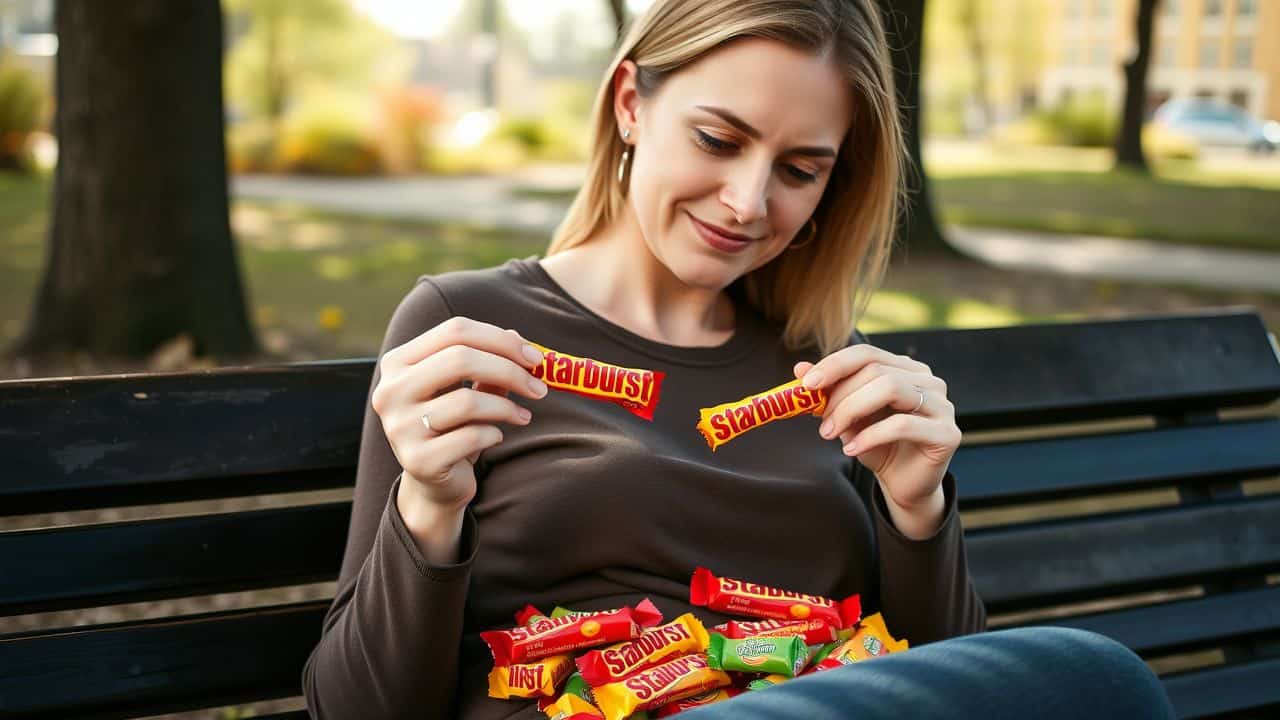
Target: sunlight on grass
896, 310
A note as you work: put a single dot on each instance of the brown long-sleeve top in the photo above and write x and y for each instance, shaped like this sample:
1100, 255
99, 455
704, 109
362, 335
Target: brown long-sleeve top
592, 507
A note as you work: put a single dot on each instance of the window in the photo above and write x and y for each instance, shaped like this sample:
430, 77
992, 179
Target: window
1242, 53
1239, 98
1102, 8
1213, 8
1170, 7
1246, 8
1168, 56
1209, 52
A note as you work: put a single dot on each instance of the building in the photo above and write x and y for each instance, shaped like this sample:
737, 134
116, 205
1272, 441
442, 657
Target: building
1223, 49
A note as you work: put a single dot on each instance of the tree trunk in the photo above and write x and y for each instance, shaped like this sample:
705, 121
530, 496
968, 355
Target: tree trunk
618, 9
1129, 140
971, 20
140, 248
918, 227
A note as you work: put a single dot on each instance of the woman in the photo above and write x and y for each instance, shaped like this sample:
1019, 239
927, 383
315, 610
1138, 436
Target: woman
737, 214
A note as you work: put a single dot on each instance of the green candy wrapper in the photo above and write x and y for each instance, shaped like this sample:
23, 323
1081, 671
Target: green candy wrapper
777, 655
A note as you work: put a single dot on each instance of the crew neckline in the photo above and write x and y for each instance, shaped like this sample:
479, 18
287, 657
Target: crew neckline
747, 325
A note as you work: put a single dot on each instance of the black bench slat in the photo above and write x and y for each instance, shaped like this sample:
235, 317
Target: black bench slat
1016, 568
1185, 625
61, 568
1051, 469
105, 432
29, 498
160, 666
1067, 372
1228, 689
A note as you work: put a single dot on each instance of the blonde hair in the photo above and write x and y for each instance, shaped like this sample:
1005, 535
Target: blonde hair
819, 290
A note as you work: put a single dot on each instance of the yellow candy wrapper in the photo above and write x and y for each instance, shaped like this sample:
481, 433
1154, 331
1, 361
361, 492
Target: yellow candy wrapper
529, 680
726, 421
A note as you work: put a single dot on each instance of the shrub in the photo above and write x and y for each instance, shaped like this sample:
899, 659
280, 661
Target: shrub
251, 147
326, 142
22, 104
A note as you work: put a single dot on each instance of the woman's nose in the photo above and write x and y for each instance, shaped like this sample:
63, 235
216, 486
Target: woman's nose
745, 193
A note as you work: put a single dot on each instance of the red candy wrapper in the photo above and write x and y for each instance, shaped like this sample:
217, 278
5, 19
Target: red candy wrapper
815, 632
542, 636
737, 597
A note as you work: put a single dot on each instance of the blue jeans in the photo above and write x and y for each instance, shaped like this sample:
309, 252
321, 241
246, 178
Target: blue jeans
1039, 672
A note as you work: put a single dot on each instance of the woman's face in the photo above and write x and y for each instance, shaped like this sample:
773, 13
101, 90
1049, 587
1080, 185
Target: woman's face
744, 140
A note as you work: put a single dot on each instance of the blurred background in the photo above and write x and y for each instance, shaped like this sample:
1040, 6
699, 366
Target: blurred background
370, 141
200, 183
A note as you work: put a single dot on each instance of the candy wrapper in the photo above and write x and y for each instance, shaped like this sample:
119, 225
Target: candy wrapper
542, 636
570, 707
724, 422
814, 632
681, 636
870, 640
697, 701
540, 678
736, 597
777, 655
634, 389
673, 680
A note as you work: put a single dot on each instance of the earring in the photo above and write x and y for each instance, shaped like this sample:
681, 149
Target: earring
813, 232
626, 154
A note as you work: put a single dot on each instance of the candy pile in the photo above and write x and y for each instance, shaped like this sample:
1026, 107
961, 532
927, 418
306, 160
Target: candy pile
634, 664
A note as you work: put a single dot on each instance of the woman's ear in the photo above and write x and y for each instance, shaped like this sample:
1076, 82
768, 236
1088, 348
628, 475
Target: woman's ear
626, 100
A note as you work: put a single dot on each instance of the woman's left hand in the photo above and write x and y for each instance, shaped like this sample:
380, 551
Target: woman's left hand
891, 413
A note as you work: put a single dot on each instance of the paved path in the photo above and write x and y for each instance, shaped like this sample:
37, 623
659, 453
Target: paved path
495, 202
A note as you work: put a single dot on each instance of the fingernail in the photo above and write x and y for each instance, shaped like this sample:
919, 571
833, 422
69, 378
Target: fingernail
812, 379
851, 448
524, 414
531, 354
825, 430
538, 387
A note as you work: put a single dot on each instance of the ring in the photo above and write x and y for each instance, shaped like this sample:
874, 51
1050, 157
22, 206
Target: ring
426, 422
913, 412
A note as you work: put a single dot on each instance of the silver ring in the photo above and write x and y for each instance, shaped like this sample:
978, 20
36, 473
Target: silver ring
426, 422
919, 404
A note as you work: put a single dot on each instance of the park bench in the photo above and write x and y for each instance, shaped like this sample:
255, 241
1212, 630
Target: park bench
1115, 477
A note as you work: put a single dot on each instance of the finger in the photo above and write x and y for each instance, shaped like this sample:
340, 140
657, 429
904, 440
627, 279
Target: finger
801, 368
491, 389
838, 396
432, 460
911, 428
463, 331
843, 363
458, 363
887, 392
466, 406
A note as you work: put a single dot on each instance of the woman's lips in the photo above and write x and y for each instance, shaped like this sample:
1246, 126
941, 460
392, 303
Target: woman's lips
717, 239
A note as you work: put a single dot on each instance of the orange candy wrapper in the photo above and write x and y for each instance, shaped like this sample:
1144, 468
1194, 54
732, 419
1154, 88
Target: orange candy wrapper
681, 636
736, 597
673, 680
542, 636
536, 679
870, 640
724, 422
634, 389
571, 707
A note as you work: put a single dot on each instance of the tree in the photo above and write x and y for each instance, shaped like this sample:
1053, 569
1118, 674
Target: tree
618, 11
971, 21
1129, 140
140, 247
904, 22
280, 45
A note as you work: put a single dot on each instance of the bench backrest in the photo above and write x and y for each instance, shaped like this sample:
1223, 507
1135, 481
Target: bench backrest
1047, 543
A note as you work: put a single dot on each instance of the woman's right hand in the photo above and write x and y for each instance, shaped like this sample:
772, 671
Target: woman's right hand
427, 376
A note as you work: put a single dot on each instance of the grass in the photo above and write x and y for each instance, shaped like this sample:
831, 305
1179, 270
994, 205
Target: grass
1113, 203
323, 284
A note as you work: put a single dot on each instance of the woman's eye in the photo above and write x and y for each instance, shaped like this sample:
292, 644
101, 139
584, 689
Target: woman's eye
710, 143
799, 174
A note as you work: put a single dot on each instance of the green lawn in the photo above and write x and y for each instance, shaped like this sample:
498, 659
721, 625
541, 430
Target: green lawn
324, 284
1120, 204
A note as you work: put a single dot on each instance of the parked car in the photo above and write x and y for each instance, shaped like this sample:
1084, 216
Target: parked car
1211, 122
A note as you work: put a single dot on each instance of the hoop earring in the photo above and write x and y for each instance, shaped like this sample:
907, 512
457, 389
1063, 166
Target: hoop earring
813, 233
626, 155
